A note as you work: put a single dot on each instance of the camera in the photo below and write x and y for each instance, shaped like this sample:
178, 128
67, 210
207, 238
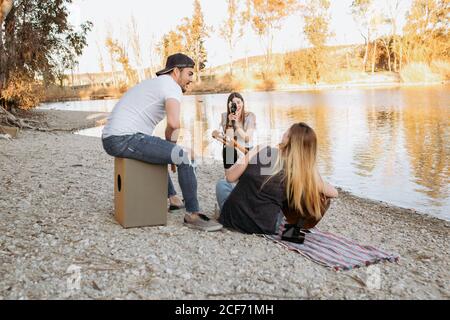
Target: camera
233, 108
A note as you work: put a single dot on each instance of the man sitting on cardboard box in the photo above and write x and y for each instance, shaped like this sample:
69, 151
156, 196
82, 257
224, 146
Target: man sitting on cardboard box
129, 132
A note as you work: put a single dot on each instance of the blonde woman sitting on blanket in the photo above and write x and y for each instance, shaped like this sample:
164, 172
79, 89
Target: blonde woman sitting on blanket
274, 183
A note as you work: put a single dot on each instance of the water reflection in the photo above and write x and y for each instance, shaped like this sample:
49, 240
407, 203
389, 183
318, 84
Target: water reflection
380, 138
385, 144
426, 123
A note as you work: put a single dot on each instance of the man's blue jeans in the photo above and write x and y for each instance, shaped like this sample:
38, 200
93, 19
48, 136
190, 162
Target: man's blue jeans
155, 150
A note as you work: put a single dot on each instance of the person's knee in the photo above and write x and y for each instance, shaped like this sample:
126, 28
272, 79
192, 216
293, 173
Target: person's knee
221, 185
108, 148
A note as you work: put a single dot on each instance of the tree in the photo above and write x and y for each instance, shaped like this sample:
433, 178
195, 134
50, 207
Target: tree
393, 12
426, 33
246, 24
188, 38
369, 16
65, 61
136, 45
172, 42
101, 62
362, 13
267, 17
231, 30
317, 17
387, 45
118, 52
377, 20
153, 53
195, 32
36, 43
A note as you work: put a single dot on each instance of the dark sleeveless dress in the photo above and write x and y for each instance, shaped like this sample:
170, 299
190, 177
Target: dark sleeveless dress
250, 208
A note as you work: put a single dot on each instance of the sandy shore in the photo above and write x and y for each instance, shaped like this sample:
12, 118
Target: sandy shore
56, 205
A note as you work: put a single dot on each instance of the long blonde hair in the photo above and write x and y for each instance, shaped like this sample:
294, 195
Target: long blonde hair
297, 160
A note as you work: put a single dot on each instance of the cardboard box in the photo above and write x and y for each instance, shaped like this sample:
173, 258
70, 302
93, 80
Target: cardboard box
140, 193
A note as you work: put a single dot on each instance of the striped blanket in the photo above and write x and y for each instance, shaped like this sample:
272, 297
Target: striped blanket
335, 252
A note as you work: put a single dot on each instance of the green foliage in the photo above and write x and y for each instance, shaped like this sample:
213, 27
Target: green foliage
38, 43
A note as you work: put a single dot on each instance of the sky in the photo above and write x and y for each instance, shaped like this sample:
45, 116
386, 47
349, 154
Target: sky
155, 18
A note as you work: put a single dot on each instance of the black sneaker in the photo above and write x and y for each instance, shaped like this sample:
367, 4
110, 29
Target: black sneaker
175, 209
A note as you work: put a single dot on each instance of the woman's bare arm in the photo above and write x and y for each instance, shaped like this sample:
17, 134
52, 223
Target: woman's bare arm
328, 190
245, 135
235, 172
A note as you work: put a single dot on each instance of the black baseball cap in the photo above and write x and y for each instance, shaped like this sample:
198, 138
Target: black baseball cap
177, 60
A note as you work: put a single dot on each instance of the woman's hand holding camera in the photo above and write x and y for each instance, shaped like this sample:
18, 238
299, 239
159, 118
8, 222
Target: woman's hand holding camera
232, 117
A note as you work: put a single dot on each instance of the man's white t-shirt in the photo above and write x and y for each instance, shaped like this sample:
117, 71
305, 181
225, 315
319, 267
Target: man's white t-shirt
142, 107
